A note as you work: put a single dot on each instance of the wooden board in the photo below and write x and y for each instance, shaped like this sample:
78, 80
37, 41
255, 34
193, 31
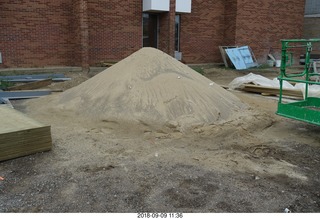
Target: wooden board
224, 56
271, 90
31, 85
21, 135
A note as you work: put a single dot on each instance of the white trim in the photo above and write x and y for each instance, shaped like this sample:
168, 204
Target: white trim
156, 5
312, 15
183, 6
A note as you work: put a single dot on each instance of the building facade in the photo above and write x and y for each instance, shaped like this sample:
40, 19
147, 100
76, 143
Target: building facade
312, 22
39, 33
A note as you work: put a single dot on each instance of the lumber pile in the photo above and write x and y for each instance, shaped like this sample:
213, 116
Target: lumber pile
258, 84
271, 90
21, 135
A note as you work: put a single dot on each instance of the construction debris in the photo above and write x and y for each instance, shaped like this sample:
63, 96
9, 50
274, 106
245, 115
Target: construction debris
6, 101
226, 60
31, 77
106, 64
30, 82
259, 84
26, 80
21, 135
271, 91
242, 57
12, 95
31, 85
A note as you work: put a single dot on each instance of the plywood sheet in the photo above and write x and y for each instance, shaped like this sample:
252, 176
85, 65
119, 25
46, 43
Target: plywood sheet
21, 135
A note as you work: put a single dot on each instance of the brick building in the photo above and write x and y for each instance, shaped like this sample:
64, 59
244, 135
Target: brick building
312, 21
37, 33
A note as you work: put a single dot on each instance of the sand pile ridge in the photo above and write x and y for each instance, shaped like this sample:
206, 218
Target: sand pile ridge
152, 88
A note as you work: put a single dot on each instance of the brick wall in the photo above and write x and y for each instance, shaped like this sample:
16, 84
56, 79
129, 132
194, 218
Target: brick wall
167, 29
259, 24
76, 32
262, 24
230, 19
115, 29
36, 33
202, 31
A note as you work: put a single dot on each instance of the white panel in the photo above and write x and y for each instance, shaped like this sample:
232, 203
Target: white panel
156, 5
0, 58
183, 6
178, 55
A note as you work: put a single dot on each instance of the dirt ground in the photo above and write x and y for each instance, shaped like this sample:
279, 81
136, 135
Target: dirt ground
257, 163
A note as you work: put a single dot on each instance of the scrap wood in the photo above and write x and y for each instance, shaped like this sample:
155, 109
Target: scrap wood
224, 56
272, 57
106, 64
271, 90
56, 90
31, 85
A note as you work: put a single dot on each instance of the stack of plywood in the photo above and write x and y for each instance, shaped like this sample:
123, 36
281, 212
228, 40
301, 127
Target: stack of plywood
21, 135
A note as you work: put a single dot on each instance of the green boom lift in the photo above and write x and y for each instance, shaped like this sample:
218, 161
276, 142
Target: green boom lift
307, 110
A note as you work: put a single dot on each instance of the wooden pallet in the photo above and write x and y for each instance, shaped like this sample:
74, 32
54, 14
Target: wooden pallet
21, 135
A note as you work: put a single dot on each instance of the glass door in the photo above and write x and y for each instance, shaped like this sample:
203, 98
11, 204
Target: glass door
150, 30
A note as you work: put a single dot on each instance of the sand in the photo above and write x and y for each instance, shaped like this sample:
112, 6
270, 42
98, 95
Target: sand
258, 162
154, 89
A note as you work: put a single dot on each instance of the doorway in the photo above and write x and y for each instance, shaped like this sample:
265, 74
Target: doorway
150, 30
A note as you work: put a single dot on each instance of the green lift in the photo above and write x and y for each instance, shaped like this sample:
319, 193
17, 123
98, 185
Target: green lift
307, 110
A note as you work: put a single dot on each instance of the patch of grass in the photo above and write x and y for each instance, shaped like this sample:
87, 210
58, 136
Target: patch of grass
263, 66
5, 84
198, 69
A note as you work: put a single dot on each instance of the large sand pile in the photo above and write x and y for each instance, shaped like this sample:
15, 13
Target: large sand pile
152, 88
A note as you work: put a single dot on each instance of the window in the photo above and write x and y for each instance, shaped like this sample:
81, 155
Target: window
177, 32
312, 7
150, 30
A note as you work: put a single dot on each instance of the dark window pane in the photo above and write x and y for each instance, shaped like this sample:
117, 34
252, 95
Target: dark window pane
177, 33
150, 30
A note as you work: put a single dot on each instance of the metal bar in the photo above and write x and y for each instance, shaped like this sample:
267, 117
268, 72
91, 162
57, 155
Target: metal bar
24, 80
295, 75
37, 76
11, 95
297, 80
307, 67
299, 110
282, 67
300, 40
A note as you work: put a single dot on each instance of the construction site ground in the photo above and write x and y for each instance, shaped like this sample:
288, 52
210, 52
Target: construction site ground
267, 164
